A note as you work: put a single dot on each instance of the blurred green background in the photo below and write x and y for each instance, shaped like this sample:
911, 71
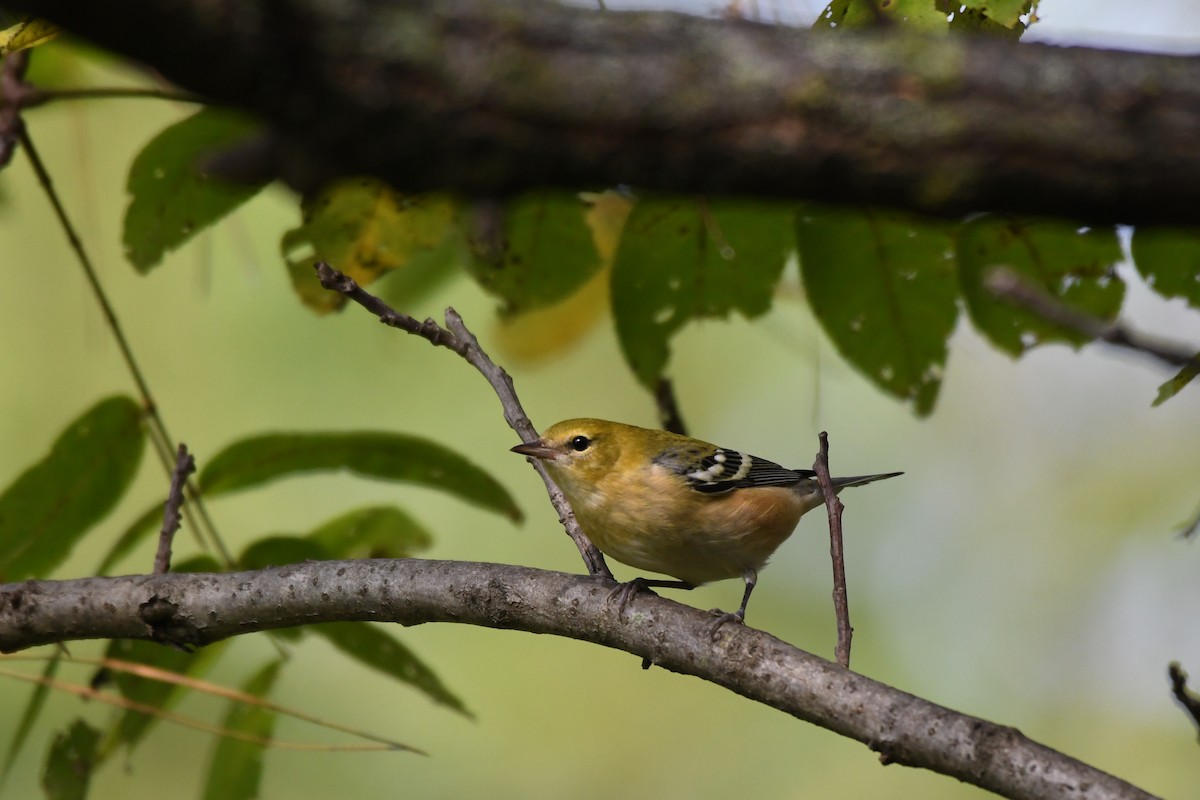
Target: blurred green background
1024, 569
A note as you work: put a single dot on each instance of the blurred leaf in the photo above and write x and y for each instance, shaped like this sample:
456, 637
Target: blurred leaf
883, 287
365, 229
533, 250
46, 510
917, 14
1169, 261
1075, 265
272, 551
684, 259
424, 274
29, 32
371, 646
606, 216
33, 709
372, 532
150, 520
1175, 385
70, 762
131, 726
388, 456
172, 199
554, 329
236, 768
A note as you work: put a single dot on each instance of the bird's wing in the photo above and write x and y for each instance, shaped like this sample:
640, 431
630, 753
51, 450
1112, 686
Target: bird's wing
725, 470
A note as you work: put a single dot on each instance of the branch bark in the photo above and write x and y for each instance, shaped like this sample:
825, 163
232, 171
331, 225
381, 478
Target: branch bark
196, 609
490, 97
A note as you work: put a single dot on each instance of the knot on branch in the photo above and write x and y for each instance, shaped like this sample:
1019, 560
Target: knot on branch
167, 626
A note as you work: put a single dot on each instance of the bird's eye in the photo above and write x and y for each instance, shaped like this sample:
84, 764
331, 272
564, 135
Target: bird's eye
580, 443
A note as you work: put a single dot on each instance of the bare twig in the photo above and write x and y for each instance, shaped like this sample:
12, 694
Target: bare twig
1013, 288
1185, 696
197, 608
833, 505
457, 338
668, 407
13, 89
184, 465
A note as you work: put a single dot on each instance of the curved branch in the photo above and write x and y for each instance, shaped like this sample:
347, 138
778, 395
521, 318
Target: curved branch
457, 338
197, 609
491, 97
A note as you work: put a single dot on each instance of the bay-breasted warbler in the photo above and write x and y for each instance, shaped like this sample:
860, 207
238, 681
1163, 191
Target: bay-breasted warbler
675, 505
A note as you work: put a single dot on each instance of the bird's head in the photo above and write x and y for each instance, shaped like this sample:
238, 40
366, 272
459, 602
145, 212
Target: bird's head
581, 449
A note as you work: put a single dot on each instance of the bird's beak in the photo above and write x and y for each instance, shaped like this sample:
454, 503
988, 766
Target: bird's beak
536, 449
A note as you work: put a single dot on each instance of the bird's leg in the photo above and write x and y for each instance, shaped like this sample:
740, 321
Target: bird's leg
625, 591
739, 616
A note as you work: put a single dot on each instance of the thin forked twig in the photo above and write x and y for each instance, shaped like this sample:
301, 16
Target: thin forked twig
159, 434
833, 505
457, 338
184, 465
1010, 286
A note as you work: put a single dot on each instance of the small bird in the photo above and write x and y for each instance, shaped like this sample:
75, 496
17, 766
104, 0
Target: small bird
675, 505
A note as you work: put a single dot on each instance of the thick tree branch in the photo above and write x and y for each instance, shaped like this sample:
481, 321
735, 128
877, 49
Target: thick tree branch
490, 97
196, 609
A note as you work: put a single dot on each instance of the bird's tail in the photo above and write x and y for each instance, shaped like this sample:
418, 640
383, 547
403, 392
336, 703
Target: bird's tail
859, 480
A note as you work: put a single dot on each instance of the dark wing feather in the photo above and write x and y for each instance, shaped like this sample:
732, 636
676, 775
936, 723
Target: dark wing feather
726, 470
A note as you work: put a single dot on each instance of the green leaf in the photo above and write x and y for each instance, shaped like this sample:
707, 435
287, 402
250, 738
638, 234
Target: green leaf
46, 510
388, 456
1169, 261
33, 709
70, 762
1175, 385
883, 287
171, 198
1073, 264
272, 551
683, 259
915, 14
533, 251
132, 726
371, 646
373, 532
365, 229
236, 769
1002, 12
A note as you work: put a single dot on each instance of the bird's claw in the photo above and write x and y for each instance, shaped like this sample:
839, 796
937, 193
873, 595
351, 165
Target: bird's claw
723, 618
624, 592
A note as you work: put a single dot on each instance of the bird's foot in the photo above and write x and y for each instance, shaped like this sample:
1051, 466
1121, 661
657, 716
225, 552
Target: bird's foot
624, 592
723, 618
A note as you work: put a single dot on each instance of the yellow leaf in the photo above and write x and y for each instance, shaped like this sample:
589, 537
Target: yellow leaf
552, 330
29, 32
365, 229
607, 218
